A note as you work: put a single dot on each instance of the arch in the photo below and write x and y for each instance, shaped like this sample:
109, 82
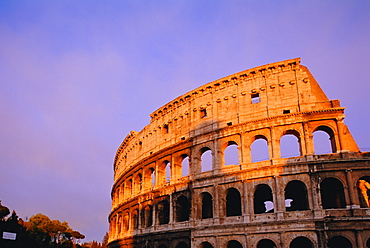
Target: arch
296, 196
206, 159
290, 145
262, 199
368, 243
163, 209
231, 154
266, 243
339, 242
135, 219
327, 147
205, 245
138, 182
149, 177
185, 163
152, 177
129, 187
182, 211
259, 149
301, 242
147, 216
363, 186
234, 244
233, 202
321, 142
126, 222
119, 226
332, 193
207, 205
167, 171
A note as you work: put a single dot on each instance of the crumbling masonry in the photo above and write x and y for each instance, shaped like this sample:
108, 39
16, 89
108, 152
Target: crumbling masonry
216, 167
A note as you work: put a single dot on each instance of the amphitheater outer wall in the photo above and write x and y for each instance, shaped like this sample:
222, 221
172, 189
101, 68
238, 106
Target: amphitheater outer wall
174, 186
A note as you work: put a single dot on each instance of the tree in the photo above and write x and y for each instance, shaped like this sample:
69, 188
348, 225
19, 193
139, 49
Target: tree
4, 211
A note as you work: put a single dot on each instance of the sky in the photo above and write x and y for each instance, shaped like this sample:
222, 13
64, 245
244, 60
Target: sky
77, 76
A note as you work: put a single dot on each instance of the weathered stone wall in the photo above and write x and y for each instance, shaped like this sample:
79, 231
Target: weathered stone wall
166, 192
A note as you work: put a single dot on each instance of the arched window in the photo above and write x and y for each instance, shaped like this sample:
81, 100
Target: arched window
234, 244
332, 193
139, 183
126, 222
167, 171
206, 245
368, 243
163, 209
290, 144
231, 154
262, 199
296, 196
185, 165
147, 216
259, 149
301, 242
129, 187
182, 210
339, 242
324, 141
135, 219
119, 226
206, 159
233, 202
207, 206
152, 177
364, 191
266, 243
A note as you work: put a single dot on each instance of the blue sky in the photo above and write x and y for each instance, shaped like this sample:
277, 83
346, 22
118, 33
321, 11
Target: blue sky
77, 76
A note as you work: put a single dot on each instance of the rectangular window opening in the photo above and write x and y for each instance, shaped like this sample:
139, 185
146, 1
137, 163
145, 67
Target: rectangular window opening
286, 111
203, 113
256, 98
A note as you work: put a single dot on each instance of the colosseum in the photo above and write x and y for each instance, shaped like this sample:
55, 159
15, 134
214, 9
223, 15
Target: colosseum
236, 163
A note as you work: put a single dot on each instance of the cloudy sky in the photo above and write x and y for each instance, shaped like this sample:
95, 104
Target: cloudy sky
77, 76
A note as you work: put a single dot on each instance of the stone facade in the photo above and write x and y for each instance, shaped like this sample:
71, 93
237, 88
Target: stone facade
195, 176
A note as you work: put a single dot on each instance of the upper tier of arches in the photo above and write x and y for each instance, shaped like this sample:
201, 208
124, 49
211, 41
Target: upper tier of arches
259, 103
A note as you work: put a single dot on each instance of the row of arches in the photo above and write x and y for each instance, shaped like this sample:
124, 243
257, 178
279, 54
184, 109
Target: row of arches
178, 207
298, 242
171, 169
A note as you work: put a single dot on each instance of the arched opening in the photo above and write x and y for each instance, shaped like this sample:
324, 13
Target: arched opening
363, 186
139, 183
259, 149
147, 216
119, 226
234, 244
296, 196
182, 210
233, 202
206, 159
290, 144
368, 243
231, 154
266, 243
339, 242
301, 242
332, 193
207, 206
167, 171
129, 188
126, 222
182, 245
185, 165
135, 219
152, 177
163, 210
324, 140
262, 199
206, 245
